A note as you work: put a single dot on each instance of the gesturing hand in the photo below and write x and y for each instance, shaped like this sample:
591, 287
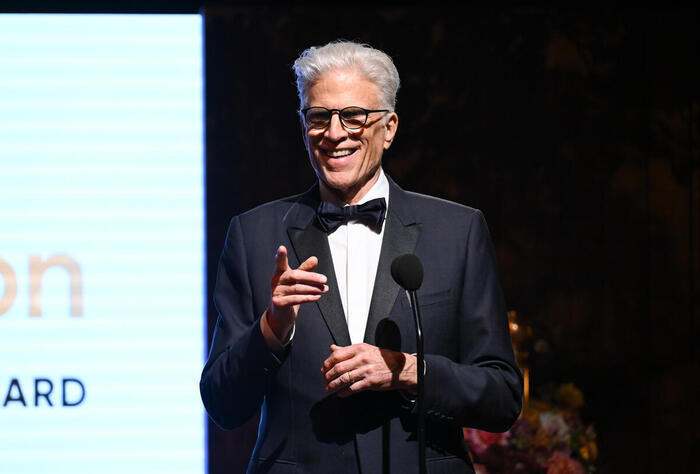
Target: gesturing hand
361, 367
289, 288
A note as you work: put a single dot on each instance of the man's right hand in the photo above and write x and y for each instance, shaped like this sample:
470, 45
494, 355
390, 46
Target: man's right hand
289, 288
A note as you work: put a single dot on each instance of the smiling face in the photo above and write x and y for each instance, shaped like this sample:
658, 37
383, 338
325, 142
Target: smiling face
347, 162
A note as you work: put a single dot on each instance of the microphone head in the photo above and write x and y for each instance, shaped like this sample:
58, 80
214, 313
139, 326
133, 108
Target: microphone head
407, 271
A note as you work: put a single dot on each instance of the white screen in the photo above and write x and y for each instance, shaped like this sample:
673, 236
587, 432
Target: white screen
101, 243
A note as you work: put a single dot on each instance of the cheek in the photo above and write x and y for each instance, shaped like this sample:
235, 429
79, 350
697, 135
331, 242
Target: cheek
375, 148
313, 151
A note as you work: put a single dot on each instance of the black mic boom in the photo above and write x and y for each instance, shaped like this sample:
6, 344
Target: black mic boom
407, 271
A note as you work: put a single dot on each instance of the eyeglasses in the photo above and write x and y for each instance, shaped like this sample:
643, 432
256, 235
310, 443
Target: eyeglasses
352, 118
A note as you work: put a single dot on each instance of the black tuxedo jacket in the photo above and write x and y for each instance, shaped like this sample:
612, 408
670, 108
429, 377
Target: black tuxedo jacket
471, 377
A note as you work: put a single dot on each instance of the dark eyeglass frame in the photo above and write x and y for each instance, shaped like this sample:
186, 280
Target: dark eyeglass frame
340, 116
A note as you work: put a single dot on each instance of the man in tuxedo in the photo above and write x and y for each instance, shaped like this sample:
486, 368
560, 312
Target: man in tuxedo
313, 331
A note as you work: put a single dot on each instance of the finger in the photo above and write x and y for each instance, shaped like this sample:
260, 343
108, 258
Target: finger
338, 354
292, 300
309, 264
299, 276
341, 368
281, 263
367, 381
351, 381
338, 383
300, 289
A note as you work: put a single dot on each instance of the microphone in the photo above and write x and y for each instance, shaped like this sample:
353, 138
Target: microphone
407, 271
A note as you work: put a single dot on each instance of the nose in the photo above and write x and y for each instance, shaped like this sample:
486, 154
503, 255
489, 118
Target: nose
335, 130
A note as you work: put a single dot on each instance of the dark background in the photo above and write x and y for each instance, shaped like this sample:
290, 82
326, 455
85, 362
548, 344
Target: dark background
575, 131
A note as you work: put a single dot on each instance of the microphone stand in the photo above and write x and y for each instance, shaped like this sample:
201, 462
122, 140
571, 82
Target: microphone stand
407, 271
420, 404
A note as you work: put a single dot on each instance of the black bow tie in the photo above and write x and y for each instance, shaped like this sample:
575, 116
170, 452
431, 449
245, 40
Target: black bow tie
370, 214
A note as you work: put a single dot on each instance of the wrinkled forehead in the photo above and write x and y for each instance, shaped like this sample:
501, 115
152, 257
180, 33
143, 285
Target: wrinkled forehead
338, 88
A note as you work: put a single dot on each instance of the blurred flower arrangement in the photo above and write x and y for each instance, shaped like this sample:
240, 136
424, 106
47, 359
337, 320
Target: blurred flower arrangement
549, 438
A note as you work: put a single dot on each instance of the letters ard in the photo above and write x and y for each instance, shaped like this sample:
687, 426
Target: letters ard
72, 392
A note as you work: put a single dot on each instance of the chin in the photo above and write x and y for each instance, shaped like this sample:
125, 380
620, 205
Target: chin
340, 185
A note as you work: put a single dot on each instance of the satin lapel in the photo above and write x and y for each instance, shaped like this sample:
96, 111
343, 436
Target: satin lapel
311, 241
399, 238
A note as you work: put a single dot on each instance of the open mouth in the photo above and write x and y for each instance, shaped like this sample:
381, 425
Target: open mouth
339, 153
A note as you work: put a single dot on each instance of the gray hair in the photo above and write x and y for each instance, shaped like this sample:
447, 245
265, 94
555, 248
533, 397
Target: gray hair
374, 64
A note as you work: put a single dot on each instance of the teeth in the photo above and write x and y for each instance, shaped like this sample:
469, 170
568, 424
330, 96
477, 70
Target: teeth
339, 153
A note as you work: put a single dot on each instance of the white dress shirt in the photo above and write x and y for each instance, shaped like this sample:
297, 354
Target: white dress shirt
355, 250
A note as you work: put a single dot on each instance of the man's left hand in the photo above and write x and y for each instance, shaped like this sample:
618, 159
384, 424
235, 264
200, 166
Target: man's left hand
360, 367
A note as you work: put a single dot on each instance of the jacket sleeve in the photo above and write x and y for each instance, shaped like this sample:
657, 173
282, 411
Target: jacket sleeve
237, 375
483, 389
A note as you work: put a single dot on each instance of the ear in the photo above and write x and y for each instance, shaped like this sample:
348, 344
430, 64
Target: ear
392, 124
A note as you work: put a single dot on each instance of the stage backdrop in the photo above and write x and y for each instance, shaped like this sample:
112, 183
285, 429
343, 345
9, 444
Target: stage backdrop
101, 243
576, 131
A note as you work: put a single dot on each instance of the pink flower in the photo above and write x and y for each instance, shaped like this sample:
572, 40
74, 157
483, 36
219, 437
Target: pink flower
555, 426
479, 441
559, 463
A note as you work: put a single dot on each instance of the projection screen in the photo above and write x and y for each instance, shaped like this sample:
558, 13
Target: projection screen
102, 308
